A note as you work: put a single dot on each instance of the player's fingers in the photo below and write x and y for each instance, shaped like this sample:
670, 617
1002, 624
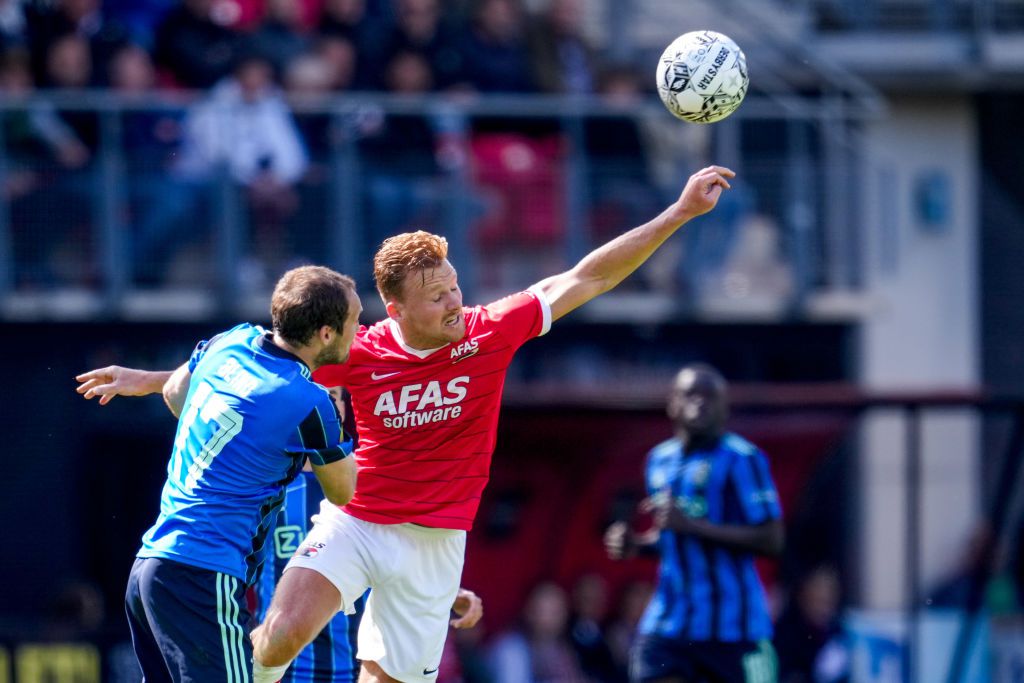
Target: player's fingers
98, 373
106, 398
471, 617
723, 170
89, 382
86, 386
104, 389
717, 179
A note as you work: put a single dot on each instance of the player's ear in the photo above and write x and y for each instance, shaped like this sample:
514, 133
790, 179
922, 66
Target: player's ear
326, 333
394, 309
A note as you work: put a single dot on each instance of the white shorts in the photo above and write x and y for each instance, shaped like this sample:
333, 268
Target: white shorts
414, 572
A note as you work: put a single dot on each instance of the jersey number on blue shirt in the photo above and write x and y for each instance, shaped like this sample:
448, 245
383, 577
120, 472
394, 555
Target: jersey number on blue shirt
219, 423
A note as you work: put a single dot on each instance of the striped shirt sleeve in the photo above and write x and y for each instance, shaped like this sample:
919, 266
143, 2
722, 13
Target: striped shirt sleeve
759, 501
320, 435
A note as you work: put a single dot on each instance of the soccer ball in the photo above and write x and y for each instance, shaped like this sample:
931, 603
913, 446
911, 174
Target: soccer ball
702, 76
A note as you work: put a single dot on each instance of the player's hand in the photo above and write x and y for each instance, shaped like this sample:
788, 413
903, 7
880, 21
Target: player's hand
618, 541
114, 381
702, 192
469, 607
666, 514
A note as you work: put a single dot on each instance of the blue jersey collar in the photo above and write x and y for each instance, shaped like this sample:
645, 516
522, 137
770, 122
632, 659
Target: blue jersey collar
266, 343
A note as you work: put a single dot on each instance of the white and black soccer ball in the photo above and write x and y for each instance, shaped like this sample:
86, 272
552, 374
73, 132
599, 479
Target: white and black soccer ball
702, 76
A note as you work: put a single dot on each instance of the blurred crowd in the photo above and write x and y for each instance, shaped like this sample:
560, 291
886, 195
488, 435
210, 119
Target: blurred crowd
248, 55
158, 162
394, 45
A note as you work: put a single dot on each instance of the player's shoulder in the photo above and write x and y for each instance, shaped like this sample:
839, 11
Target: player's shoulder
525, 310
735, 443
665, 450
241, 334
509, 302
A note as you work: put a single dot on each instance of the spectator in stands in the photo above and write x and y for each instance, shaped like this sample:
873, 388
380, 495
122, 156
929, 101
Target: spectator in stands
159, 202
618, 160
73, 137
13, 25
586, 628
399, 155
151, 136
245, 123
83, 18
753, 275
494, 54
563, 60
539, 651
245, 127
621, 633
343, 60
309, 75
36, 143
409, 73
310, 79
420, 29
808, 636
69, 66
139, 18
348, 20
281, 37
34, 135
195, 45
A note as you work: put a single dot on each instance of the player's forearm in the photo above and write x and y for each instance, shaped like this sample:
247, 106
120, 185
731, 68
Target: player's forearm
153, 381
762, 539
338, 480
175, 389
614, 261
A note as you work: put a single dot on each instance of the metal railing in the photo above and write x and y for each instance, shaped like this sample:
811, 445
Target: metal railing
575, 170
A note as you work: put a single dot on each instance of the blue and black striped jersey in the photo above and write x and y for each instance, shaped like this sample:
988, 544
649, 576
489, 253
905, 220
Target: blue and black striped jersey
251, 416
329, 658
707, 592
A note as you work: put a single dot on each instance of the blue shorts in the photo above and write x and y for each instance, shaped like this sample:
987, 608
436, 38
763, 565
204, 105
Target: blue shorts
188, 624
655, 658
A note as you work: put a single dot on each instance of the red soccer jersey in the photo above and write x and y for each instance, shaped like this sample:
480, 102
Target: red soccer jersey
428, 420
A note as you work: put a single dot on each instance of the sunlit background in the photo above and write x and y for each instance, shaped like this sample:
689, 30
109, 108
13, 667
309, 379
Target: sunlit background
162, 162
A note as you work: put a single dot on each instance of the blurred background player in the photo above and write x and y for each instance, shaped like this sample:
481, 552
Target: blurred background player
714, 506
426, 386
249, 416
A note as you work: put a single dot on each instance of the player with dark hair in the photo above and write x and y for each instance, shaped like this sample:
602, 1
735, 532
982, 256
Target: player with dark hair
714, 507
250, 416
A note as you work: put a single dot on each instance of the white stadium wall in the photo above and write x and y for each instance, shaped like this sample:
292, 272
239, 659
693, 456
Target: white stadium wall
922, 333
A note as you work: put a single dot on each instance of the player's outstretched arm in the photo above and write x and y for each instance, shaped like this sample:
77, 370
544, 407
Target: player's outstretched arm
609, 264
114, 380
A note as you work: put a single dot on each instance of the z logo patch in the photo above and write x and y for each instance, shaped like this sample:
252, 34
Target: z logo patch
286, 541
